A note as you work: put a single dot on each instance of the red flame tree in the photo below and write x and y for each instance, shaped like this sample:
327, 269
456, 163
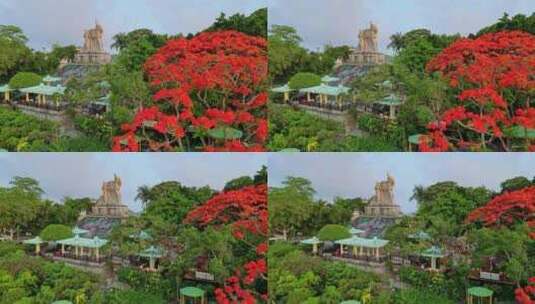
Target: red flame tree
494, 74
507, 209
246, 211
210, 96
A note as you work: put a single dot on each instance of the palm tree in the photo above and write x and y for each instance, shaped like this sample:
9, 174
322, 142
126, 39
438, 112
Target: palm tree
144, 195
396, 42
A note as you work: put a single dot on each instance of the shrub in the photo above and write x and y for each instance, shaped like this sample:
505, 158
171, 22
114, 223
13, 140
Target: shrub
333, 232
24, 80
304, 80
55, 232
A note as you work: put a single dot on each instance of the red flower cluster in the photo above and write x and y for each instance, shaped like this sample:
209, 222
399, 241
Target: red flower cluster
215, 79
486, 67
526, 295
246, 210
508, 208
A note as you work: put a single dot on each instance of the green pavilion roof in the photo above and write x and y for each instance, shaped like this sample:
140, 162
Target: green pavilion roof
44, 89
420, 235
390, 100
35, 241
521, 132
328, 78
311, 241
5, 88
480, 292
362, 242
354, 230
49, 78
192, 292
326, 90
350, 302
415, 139
284, 89
62, 302
151, 252
142, 235
433, 252
79, 231
78, 241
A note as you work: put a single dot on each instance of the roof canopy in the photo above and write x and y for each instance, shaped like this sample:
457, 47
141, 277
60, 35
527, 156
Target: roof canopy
44, 89
354, 230
480, 292
362, 242
5, 88
151, 252
327, 90
284, 89
35, 241
49, 78
78, 241
390, 100
328, 78
192, 292
350, 302
521, 132
142, 235
311, 241
415, 139
433, 252
62, 302
420, 235
79, 231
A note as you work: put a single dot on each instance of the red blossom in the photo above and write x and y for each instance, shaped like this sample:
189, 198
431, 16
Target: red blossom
246, 210
486, 66
214, 78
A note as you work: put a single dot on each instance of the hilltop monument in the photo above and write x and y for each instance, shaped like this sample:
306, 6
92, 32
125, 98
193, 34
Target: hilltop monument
367, 52
382, 203
93, 53
110, 203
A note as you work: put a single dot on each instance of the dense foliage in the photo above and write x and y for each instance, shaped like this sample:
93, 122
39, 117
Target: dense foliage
205, 97
495, 92
254, 24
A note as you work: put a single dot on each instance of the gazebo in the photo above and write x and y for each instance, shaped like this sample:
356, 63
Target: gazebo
356, 231
36, 241
480, 295
363, 247
350, 302
420, 235
79, 243
434, 253
193, 293
393, 102
51, 79
152, 253
142, 235
285, 89
42, 91
314, 242
328, 78
414, 140
79, 231
6, 90
325, 91
62, 302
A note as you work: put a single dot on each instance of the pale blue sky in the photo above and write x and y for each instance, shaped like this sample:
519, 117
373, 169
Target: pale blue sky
337, 22
63, 21
82, 174
355, 174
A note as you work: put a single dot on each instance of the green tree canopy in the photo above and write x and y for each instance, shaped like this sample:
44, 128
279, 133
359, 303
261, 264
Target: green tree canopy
238, 183
254, 24
54, 232
24, 80
333, 232
516, 183
519, 22
304, 80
